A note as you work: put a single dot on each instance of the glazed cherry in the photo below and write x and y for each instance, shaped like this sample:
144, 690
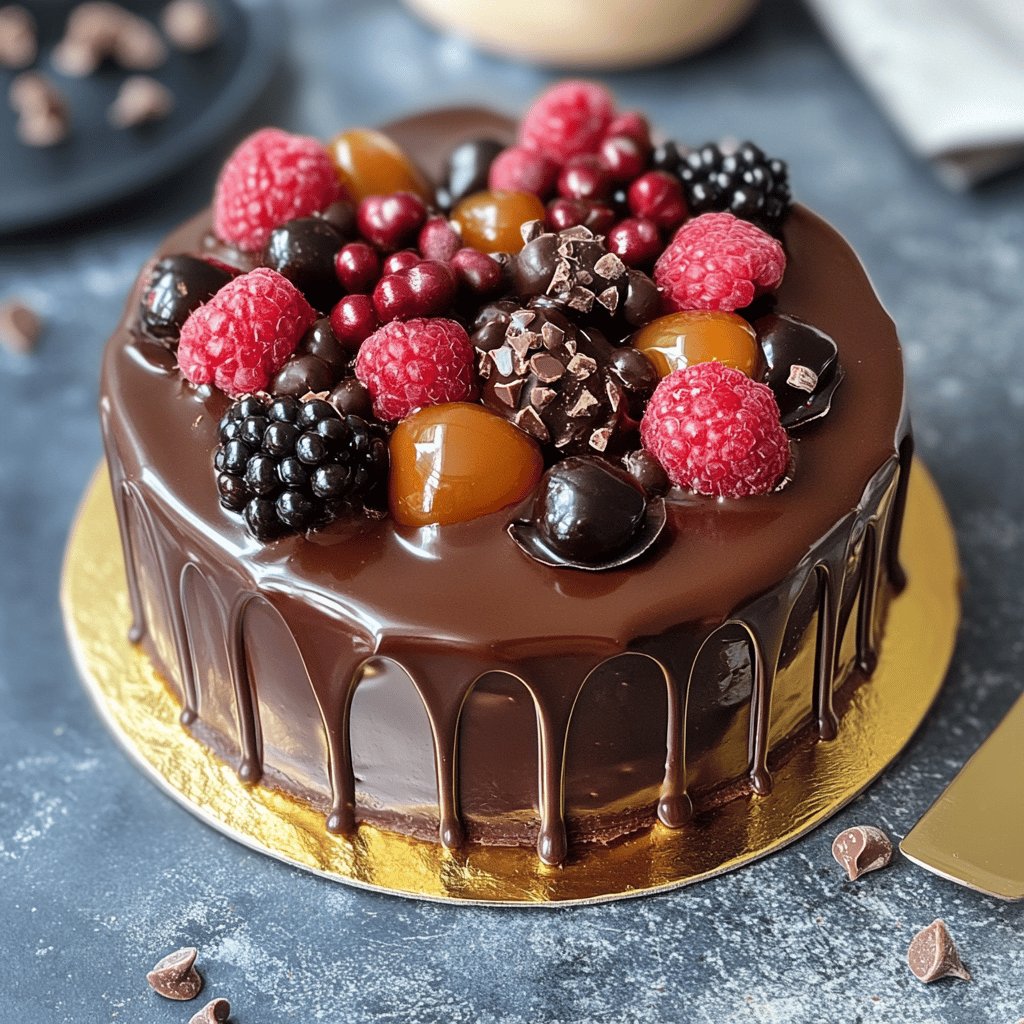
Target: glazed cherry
491, 221
633, 125
399, 261
477, 271
622, 157
353, 320
454, 462
635, 241
391, 222
584, 177
426, 289
369, 164
568, 213
679, 340
438, 240
658, 196
357, 266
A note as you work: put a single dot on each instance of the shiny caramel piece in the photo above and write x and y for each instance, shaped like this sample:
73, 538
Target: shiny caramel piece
491, 221
679, 340
457, 461
370, 164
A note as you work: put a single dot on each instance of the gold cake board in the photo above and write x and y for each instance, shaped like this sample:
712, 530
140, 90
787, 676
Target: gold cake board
816, 781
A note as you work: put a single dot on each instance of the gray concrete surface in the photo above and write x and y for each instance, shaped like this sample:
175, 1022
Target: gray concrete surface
100, 874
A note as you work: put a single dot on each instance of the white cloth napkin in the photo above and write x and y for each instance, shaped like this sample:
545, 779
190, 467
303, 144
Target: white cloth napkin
949, 74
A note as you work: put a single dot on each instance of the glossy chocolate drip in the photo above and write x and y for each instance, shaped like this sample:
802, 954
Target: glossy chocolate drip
447, 612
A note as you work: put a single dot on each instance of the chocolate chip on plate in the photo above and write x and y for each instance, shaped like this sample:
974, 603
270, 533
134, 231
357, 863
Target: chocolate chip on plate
18, 40
861, 849
191, 25
140, 100
933, 955
175, 975
19, 327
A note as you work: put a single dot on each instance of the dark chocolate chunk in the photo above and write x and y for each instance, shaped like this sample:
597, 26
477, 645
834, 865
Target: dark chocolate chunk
589, 514
176, 286
301, 375
933, 955
466, 170
216, 1011
861, 849
320, 341
302, 250
175, 975
803, 370
351, 397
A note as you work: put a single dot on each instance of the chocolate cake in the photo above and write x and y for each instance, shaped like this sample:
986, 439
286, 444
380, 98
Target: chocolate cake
500, 612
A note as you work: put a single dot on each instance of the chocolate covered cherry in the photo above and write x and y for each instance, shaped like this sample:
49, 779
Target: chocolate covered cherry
589, 514
176, 286
303, 250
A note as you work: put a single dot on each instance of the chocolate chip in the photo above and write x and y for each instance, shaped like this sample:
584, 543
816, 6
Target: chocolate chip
190, 25
138, 46
100, 31
41, 108
19, 43
20, 327
140, 100
216, 1011
175, 975
861, 849
933, 955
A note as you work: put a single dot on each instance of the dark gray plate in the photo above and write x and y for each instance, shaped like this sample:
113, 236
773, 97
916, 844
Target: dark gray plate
99, 163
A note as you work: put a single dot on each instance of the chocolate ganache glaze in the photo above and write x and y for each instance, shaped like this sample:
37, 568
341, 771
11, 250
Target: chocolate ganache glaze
440, 683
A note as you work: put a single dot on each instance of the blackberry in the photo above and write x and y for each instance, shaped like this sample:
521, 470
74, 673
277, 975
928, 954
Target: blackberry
289, 466
740, 180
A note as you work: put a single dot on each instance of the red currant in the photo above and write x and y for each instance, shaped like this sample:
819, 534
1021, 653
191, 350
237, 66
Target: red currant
357, 266
477, 271
622, 157
658, 196
636, 242
390, 221
439, 240
568, 213
399, 261
584, 177
633, 125
353, 320
426, 289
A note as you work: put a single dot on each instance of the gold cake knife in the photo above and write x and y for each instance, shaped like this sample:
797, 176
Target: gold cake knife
974, 833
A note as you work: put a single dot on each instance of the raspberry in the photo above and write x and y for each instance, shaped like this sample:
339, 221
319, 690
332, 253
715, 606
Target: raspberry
243, 335
717, 261
569, 119
518, 169
272, 177
716, 431
406, 365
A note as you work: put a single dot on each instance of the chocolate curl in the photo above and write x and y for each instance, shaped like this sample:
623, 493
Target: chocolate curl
933, 955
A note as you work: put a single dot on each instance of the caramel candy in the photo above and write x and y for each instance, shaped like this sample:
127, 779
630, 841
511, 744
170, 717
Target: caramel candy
370, 164
492, 221
175, 976
457, 461
684, 339
861, 849
933, 955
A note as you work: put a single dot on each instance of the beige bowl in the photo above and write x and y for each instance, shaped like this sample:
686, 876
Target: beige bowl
588, 33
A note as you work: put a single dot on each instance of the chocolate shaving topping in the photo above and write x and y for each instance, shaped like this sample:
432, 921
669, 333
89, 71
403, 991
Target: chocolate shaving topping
585, 401
502, 359
175, 975
547, 367
609, 298
216, 1011
599, 438
551, 335
933, 955
609, 266
803, 378
508, 392
861, 849
581, 366
20, 327
541, 397
527, 419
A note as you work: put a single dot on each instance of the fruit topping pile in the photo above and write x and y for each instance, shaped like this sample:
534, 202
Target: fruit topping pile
567, 327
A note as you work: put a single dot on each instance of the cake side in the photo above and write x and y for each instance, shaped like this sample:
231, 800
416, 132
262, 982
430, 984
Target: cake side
436, 681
